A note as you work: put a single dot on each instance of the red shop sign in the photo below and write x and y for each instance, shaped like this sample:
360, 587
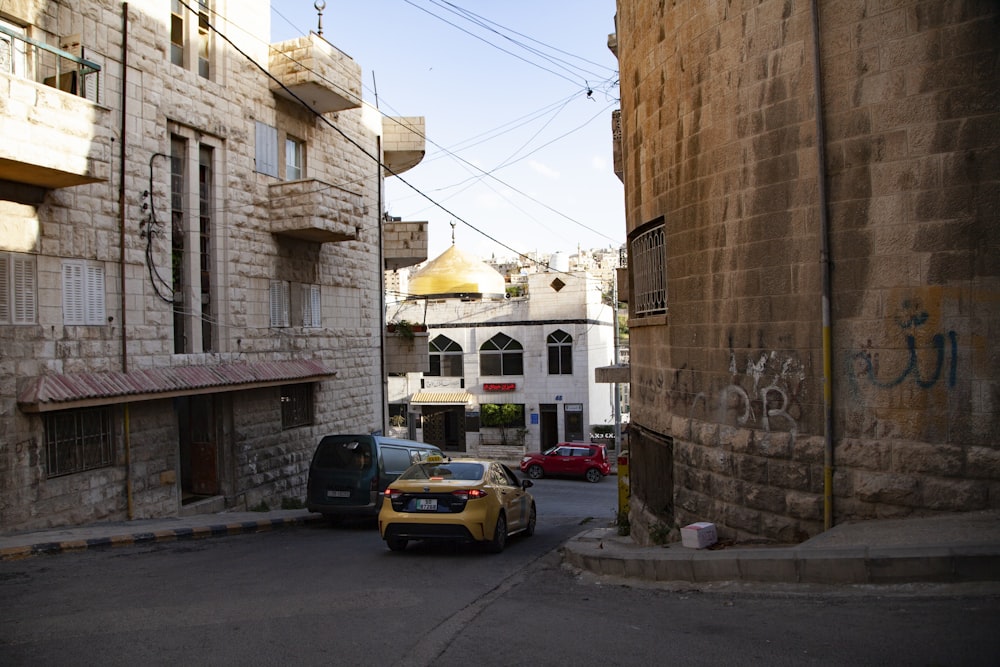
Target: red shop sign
499, 386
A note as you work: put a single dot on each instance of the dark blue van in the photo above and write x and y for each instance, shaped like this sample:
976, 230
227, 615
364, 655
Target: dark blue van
349, 473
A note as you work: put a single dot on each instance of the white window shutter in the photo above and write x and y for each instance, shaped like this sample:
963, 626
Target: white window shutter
5, 284
267, 149
279, 303
73, 301
311, 306
92, 81
94, 295
24, 295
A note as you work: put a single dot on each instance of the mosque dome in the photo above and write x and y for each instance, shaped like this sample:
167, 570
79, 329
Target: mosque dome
455, 273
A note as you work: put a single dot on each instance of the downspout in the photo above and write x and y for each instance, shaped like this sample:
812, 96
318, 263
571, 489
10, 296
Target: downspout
381, 282
121, 262
824, 233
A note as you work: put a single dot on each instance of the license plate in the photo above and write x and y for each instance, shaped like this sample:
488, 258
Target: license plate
427, 504
338, 494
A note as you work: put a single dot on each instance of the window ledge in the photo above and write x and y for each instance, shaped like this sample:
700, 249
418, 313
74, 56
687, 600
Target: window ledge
647, 321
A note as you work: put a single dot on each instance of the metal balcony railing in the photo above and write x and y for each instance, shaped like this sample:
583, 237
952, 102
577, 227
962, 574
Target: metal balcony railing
28, 58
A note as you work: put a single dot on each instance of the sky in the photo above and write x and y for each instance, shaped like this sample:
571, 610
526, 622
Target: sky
517, 97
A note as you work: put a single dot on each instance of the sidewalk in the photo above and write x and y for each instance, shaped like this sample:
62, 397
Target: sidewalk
140, 531
945, 549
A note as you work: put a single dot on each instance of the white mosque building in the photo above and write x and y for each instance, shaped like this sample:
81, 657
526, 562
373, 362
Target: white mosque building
525, 349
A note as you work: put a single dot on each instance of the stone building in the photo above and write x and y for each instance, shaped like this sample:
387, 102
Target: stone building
191, 250
480, 347
812, 201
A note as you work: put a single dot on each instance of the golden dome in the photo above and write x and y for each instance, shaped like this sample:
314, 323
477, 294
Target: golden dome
456, 273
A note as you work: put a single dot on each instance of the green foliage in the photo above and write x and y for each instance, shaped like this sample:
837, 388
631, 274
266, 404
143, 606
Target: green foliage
405, 329
659, 533
292, 504
503, 416
261, 507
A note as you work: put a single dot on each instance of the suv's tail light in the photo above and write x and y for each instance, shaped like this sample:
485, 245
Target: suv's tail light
469, 494
374, 484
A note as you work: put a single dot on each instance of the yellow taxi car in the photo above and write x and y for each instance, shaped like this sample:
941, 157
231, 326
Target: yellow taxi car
462, 500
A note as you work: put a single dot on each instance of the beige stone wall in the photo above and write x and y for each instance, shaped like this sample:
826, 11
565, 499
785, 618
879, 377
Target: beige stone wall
82, 222
720, 140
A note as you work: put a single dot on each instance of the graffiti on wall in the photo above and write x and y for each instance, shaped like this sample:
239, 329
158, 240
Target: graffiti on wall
925, 367
765, 391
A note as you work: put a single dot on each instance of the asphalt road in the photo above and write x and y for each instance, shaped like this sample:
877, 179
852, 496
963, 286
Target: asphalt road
316, 595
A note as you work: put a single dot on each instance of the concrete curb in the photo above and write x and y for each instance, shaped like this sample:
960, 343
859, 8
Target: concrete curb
602, 552
125, 539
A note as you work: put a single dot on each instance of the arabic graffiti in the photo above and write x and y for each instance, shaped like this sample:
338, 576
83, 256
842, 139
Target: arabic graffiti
866, 364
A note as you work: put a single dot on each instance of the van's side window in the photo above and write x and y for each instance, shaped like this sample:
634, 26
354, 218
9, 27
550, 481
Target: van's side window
395, 459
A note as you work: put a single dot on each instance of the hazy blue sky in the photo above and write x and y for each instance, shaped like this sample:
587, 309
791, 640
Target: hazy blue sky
503, 85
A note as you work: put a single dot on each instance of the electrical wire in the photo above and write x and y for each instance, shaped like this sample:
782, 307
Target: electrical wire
455, 156
354, 143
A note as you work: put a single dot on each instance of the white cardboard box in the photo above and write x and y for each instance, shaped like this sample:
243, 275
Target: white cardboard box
699, 535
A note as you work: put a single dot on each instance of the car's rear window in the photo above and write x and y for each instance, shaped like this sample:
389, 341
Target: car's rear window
343, 454
454, 470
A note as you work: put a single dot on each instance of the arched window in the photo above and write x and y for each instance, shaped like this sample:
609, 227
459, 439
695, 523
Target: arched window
560, 346
446, 358
501, 355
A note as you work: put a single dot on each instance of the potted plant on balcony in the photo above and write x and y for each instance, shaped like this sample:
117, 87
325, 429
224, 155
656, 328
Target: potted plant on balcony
405, 328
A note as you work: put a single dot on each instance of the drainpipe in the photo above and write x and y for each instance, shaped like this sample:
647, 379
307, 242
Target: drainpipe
381, 282
824, 232
121, 260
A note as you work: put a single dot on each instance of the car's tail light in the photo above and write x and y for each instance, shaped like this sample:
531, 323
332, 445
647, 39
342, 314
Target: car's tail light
374, 484
469, 494
393, 493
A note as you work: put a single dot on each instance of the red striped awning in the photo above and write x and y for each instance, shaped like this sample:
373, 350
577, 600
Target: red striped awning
59, 391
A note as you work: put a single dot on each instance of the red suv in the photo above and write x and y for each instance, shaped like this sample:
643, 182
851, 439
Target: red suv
578, 459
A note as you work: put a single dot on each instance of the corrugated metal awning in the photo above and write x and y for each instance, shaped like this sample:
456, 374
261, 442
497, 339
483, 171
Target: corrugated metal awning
77, 390
440, 398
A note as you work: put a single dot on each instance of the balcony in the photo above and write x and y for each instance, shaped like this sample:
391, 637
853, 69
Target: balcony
405, 243
407, 351
316, 72
403, 143
54, 136
311, 210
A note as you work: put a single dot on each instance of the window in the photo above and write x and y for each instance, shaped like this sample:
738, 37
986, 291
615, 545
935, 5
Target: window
206, 212
279, 303
177, 33
501, 355
77, 440
83, 293
397, 414
311, 306
178, 225
291, 165
194, 253
446, 358
267, 149
293, 159
181, 36
204, 40
647, 257
296, 405
395, 459
13, 55
295, 304
18, 291
560, 345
